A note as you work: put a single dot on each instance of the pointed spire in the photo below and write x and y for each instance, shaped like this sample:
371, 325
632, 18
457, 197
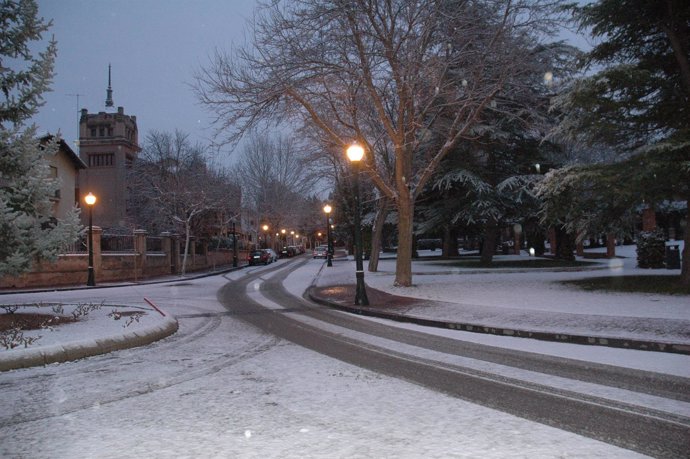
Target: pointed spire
109, 92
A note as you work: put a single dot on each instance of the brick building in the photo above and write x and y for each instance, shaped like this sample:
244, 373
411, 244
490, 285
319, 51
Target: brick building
108, 144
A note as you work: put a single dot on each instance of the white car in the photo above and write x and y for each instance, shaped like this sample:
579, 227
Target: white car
320, 252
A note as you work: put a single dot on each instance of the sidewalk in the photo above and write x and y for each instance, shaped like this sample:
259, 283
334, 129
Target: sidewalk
518, 303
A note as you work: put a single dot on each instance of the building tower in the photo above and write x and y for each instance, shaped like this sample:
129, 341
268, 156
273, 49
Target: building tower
108, 144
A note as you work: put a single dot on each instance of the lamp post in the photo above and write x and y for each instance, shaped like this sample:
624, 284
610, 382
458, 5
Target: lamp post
355, 153
265, 228
329, 253
234, 246
90, 200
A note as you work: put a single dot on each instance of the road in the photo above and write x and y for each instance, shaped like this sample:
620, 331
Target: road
267, 374
643, 429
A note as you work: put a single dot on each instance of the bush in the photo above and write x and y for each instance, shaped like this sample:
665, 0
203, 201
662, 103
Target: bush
651, 246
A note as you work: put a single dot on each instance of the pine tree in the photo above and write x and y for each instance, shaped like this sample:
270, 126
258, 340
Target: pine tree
27, 230
636, 103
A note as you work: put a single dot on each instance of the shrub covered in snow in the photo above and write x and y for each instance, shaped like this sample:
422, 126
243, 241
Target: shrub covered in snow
650, 250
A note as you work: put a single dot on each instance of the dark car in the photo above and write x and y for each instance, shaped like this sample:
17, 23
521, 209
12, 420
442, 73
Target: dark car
258, 257
287, 252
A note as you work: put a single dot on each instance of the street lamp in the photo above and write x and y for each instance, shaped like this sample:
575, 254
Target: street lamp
355, 153
265, 228
234, 246
90, 200
329, 253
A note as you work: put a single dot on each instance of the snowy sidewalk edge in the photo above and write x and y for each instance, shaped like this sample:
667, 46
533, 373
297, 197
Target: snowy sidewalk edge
25, 358
560, 337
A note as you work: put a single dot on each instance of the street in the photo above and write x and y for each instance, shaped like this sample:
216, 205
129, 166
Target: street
255, 371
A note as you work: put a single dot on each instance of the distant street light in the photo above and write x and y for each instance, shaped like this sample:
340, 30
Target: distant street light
355, 153
90, 200
265, 228
329, 253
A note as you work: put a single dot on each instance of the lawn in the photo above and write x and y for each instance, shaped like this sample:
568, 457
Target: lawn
665, 285
536, 262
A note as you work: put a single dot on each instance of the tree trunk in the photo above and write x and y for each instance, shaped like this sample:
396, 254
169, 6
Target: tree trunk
610, 245
403, 265
489, 245
377, 234
685, 263
564, 244
445, 243
186, 248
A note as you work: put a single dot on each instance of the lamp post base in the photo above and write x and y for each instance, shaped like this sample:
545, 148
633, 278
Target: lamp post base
91, 280
361, 291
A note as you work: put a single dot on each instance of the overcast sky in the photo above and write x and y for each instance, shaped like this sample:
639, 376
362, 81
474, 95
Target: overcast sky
154, 47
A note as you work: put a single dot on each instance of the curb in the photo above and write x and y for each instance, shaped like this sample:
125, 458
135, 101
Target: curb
623, 343
25, 358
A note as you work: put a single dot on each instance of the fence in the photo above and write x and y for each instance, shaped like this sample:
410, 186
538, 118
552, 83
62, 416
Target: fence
118, 258
79, 246
154, 244
117, 243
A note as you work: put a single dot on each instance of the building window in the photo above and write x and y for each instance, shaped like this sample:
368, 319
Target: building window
101, 159
101, 132
93, 132
110, 132
54, 175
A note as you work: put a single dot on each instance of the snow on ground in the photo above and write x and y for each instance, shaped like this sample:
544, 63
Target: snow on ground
521, 295
95, 321
281, 401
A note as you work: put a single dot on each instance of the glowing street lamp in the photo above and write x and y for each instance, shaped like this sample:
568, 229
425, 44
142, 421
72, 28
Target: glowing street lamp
329, 253
355, 153
90, 201
265, 228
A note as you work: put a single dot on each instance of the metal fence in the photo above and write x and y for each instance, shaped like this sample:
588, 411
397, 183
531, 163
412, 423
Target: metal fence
154, 244
117, 243
78, 246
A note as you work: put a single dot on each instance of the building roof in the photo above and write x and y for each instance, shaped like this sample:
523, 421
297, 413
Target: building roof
64, 146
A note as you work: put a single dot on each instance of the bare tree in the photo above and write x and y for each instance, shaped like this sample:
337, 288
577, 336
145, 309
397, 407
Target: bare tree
383, 73
173, 186
275, 179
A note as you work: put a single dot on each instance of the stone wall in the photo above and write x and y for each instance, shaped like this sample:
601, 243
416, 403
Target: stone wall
134, 266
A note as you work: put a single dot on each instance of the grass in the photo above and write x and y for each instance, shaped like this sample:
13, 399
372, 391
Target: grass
664, 285
522, 264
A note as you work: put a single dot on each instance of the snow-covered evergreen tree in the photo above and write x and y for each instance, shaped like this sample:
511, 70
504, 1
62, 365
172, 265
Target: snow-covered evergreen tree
27, 229
636, 104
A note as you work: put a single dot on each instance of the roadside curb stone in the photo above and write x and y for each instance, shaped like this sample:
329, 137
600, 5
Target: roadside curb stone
384, 312
25, 358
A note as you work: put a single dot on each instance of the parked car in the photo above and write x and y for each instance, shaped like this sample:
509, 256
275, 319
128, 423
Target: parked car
296, 249
287, 252
273, 256
320, 252
258, 257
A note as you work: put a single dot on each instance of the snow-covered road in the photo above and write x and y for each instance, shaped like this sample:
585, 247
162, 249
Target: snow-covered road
221, 388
